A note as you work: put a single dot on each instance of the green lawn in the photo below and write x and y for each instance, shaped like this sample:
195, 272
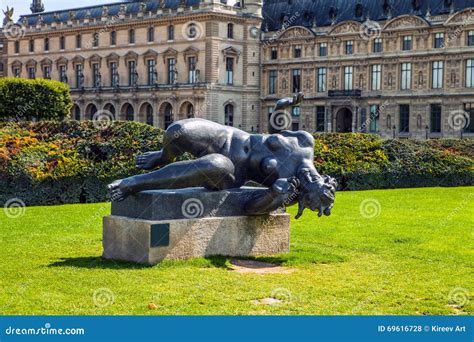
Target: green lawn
414, 258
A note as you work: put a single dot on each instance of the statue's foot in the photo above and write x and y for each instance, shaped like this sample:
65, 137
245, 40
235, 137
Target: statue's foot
148, 160
118, 190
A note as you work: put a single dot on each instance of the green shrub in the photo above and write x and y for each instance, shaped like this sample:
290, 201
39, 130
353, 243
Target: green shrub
38, 99
50, 162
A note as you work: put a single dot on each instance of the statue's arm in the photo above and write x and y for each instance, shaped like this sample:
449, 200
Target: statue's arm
281, 194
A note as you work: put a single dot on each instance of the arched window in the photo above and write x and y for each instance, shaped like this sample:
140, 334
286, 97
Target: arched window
129, 113
168, 115
170, 32
77, 113
149, 115
229, 115
90, 111
190, 111
230, 31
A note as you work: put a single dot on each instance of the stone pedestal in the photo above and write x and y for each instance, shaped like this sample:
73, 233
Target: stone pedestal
178, 224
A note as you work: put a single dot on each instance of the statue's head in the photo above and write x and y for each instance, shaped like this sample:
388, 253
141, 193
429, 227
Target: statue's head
317, 193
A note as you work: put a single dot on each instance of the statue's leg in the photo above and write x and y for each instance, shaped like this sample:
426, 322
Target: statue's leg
166, 155
213, 171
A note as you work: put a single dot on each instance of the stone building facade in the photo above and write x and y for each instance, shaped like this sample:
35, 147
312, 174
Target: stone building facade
153, 61
395, 68
407, 72
3, 55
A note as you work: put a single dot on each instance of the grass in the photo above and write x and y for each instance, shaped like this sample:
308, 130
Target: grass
414, 258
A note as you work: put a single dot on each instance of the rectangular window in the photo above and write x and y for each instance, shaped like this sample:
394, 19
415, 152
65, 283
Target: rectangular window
322, 75
376, 76
374, 118
17, 46
407, 43
78, 41
16, 72
32, 45
437, 74
62, 43
470, 38
470, 73
171, 70
192, 69
47, 72
151, 34
131, 36
348, 78
274, 53
469, 109
439, 40
95, 75
320, 118
405, 76
31, 73
272, 81
377, 45
297, 51
95, 39
132, 73
46, 44
349, 47
404, 119
79, 76
435, 118
323, 49
113, 74
62, 74
151, 71
296, 80
170, 32
229, 70
113, 38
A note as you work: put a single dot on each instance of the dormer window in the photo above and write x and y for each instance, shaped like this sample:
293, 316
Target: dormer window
359, 10
349, 47
297, 51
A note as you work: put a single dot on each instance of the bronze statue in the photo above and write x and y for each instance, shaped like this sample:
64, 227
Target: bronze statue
227, 157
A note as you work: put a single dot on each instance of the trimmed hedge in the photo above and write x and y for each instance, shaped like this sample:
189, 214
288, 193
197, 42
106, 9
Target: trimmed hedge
24, 99
72, 162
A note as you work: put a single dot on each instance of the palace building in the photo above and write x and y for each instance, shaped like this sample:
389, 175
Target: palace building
151, 61
397, 68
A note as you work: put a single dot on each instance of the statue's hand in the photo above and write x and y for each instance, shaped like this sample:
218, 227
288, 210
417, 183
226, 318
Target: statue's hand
287, 186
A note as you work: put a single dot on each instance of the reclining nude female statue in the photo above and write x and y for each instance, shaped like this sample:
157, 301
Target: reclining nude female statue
226, 158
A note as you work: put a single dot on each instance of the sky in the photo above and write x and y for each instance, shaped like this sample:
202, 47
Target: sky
23, 6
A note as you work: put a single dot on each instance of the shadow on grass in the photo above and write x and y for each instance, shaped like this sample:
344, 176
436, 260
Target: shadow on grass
223, 262
101, 263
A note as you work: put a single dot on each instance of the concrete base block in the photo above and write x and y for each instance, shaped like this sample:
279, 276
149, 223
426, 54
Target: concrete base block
149, 242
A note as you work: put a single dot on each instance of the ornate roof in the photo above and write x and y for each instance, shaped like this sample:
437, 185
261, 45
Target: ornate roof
308, 13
